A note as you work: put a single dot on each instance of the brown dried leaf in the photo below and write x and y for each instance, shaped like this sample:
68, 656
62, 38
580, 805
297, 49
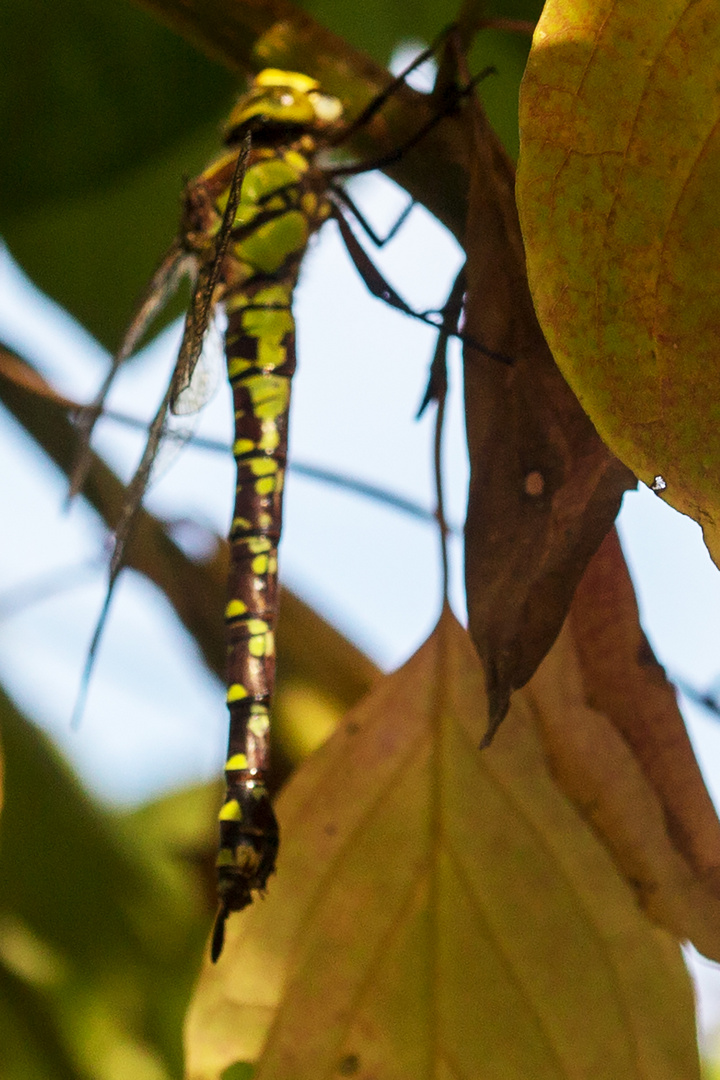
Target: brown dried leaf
544, 490
441, 911
623, 679
618, 747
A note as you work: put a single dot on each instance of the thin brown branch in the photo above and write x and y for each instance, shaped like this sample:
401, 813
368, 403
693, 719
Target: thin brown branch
526, 27
27, 378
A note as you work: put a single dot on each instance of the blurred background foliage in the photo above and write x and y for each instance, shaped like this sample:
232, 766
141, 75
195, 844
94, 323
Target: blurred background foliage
103, 110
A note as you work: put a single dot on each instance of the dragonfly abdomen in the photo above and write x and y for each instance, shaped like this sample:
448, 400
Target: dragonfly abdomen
261, 268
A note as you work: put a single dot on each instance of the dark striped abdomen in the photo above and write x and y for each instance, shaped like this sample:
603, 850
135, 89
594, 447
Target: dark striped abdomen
261, 399
278, 212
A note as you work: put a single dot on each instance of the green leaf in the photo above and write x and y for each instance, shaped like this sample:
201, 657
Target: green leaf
238, 1071
23, 1016
92, 253
104, 89
441, 911
101, 119
98, 946
617, 189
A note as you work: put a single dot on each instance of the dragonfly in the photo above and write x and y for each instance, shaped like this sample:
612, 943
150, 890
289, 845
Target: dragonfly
245, 226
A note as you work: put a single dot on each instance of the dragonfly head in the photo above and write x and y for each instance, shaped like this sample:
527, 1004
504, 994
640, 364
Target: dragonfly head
279, 101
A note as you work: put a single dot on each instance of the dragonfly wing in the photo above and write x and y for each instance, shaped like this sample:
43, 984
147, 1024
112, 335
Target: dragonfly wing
133, 501
175, 266
178, 263
206, 375
197, 320
202, 304
196, 324
134, 495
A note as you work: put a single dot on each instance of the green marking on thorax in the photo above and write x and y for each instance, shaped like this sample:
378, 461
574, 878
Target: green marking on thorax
277, 295
268, 247
265, 177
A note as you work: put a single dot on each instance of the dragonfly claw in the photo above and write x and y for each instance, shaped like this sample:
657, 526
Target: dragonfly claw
218, 936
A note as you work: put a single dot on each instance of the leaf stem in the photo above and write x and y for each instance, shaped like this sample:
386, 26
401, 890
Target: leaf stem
439, 495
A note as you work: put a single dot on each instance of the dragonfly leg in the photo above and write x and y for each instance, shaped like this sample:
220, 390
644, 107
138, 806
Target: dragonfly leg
381, 288
449, 104
350, 205
384, 95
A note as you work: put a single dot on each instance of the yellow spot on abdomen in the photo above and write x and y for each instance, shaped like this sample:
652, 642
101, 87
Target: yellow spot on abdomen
270, 436
259, 721
256, 645
262, 644
230, 811
235, 609
236, 692
237, 761
263, 466
270, 395
225, 857
259, 564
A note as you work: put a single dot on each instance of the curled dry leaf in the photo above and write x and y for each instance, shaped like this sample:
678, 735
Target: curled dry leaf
617, 190
544, 490
441, 911
618, 747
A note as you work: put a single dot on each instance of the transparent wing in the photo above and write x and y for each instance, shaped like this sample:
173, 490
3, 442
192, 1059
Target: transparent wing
181, 421
205, 377
176, 265
201, 307
197, 321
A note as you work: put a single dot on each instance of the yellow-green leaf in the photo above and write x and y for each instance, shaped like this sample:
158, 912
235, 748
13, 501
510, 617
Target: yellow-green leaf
617, 190
98, 948
442, 912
